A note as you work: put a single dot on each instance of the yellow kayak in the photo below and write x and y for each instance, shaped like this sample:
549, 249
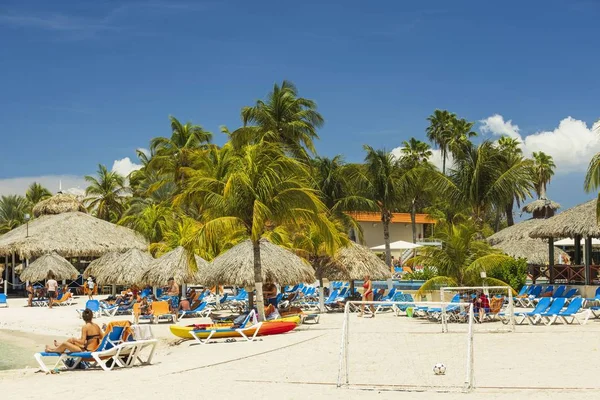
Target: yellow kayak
272, 327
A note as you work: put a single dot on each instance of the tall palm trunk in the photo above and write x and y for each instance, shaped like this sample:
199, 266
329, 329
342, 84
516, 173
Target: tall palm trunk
413, 220
258, 281
443, 161
510, 221
386, 217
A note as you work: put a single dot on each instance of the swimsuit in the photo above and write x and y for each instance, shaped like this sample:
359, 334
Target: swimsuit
366, 286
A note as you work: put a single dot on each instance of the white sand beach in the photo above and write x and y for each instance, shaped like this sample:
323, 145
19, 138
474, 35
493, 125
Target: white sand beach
537, 362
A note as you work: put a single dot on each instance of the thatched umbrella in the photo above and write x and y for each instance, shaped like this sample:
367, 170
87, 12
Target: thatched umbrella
49, 263
579, 221
174, 264
119, 268
516, 232
355, 262
71, 234
58, 204
541, 208
236, 266
19, 268
534, 250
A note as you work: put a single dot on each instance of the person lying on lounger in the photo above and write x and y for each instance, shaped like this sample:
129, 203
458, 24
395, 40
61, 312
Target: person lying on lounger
89, 340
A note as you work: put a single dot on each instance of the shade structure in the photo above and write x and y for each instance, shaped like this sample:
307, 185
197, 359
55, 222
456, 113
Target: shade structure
398, 245
174, 264
534, 250
49, 263
576, 221
58, 204
71, 234
518, 231
19, 268
119, 268
236, 266
570, 242
541, 208
355, 262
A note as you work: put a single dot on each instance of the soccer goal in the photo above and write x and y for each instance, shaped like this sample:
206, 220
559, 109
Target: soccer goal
494, 309
407, 350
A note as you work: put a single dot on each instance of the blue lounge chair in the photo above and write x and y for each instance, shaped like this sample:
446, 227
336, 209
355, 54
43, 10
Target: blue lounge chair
3, 301
521, 317
93, 306
239, 330
529, 300
559, 291
569, 315
594, 300
555, 307
200, 311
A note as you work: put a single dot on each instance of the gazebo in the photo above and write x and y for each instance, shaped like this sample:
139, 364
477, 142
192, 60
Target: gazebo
175, 264
49, 263
577, 222
119, 268
61, 225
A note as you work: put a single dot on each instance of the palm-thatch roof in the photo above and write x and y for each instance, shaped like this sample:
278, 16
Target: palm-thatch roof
49, 263
119, 268
71, 234
19, 268
236, 266
58, 204
541, 208
174, 264
576, 221
534, 250
355, 262
518, 231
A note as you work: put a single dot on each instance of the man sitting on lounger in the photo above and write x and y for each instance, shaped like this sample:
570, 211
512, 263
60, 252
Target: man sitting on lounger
89, 340
481, 305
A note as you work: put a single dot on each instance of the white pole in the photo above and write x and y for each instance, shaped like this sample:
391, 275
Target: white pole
470, 358
511, 310
321, 296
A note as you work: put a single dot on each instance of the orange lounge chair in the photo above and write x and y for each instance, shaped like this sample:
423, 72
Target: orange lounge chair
161, 310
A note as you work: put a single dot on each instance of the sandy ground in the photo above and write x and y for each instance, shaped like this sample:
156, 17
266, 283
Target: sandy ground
557, 362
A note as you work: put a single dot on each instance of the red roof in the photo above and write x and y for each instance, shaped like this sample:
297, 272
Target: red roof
397, 218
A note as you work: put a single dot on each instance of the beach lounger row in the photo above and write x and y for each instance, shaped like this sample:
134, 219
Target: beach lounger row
529, 296
549, 311
121, 346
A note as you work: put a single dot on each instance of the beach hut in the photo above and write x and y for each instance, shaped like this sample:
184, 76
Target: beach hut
236, 266
577, 222
534, 250
49, 263
541, 208
176, 264
119, 268
61, 225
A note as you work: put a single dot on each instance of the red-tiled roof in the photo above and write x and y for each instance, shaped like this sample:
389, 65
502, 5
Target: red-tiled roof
403, 218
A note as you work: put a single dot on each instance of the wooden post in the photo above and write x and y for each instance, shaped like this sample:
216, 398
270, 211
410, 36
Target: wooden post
588, 259
577, 244
551, 258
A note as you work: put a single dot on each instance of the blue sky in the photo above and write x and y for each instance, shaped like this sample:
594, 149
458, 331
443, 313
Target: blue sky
89, 82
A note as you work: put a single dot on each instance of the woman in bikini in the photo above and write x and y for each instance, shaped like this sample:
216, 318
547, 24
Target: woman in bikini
91, 334
367, 296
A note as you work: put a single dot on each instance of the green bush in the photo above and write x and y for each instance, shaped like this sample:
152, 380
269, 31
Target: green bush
513, 272
425, 274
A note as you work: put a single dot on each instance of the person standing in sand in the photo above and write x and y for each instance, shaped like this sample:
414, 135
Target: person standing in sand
29, 290
367, 296
51, 288
89, 340
91, 284
173, 293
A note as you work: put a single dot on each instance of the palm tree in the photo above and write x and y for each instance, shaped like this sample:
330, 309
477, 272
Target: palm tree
263, 188
105, 194
510, 149
461, 258
439, 132
284, 118
171, 154
544, 170
382, 178
460, 135
481, 180
592, 179
36, 193
414, 152
12, 212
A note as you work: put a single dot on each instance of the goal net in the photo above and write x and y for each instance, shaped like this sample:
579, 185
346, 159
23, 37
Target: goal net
407, 350
493, 306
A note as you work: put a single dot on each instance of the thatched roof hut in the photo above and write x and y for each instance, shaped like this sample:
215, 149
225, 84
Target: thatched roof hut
71, 234
119, 268
174, 264
576, 221
534, 250
58, 204
516, 232
541, 208
57, 265
354, 262
236, 266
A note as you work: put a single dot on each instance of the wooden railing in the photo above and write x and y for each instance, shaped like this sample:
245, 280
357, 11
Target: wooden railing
566, 274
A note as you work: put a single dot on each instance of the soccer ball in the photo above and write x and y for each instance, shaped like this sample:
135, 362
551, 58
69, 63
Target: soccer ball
439, 369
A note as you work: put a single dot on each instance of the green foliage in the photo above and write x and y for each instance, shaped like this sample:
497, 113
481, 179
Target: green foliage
425, 274
512, 271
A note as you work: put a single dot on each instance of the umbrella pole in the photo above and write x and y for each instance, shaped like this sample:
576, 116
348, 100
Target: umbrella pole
321, 295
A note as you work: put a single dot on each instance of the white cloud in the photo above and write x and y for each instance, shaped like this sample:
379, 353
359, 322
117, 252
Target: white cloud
125, 166
572, 144
51, 182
